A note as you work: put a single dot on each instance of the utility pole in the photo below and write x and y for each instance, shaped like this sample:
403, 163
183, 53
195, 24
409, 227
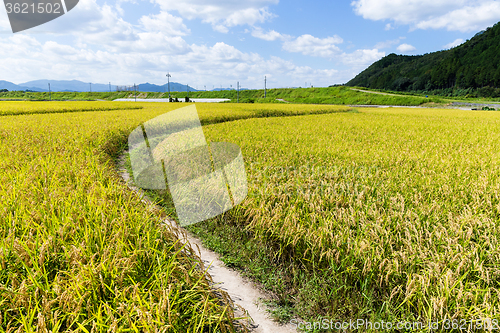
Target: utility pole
135, 93
168, 78
90, 87
238, 92
205, 87
50, 94
265, 86
110, 87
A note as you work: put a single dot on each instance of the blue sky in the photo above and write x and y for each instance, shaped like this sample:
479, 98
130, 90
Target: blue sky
219, 42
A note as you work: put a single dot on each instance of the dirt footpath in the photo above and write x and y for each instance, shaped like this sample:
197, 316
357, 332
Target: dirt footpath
242, 291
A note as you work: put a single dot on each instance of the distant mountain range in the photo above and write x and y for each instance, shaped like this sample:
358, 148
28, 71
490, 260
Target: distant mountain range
12, 87
473, 64
79, 86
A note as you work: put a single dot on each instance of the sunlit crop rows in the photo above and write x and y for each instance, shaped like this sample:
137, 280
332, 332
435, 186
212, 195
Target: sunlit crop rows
18, 108
383, 214
212, 113
78, 250
386, 214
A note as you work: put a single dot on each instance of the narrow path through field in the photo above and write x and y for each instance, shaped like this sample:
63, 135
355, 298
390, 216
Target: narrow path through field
242, 291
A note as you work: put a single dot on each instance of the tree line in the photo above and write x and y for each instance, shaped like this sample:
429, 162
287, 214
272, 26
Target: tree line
472, 68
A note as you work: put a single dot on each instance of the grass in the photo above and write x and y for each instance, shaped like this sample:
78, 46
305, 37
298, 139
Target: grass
332, 95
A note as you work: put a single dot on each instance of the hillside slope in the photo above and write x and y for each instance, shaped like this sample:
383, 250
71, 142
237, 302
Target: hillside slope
474, 64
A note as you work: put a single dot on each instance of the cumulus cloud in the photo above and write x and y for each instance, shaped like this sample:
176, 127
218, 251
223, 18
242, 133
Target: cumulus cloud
360, 59
4, 21
222, 15
388, 43
18, 46
467, 18
313, 46
456, 42
220, 63
405, 48
165, 23
269, 36
453, 15
221, 54
94, 43
92, 22
59, 50
102, 27
327, 48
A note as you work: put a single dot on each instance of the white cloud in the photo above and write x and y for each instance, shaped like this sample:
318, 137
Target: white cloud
4, 21
405, 48
59, 50
199, 65
313, 46
456, 42
461, 15
388, 43
388, 27
94, 43
118, 5
165, 23
360, 59
222, 15
150, 42
90, 22
222, 53
220, 28
18, 46
327, 48
401, 11
102, 27
269, 36
468, 18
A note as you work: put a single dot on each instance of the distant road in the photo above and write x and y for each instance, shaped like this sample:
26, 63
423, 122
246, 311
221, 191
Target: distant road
376, 92
165, 100
454, 105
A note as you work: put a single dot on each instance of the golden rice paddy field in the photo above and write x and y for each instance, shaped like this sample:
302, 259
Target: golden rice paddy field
80, 252
386, 214
381, 214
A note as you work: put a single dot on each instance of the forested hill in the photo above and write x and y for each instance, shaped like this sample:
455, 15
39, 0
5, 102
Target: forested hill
474, 64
